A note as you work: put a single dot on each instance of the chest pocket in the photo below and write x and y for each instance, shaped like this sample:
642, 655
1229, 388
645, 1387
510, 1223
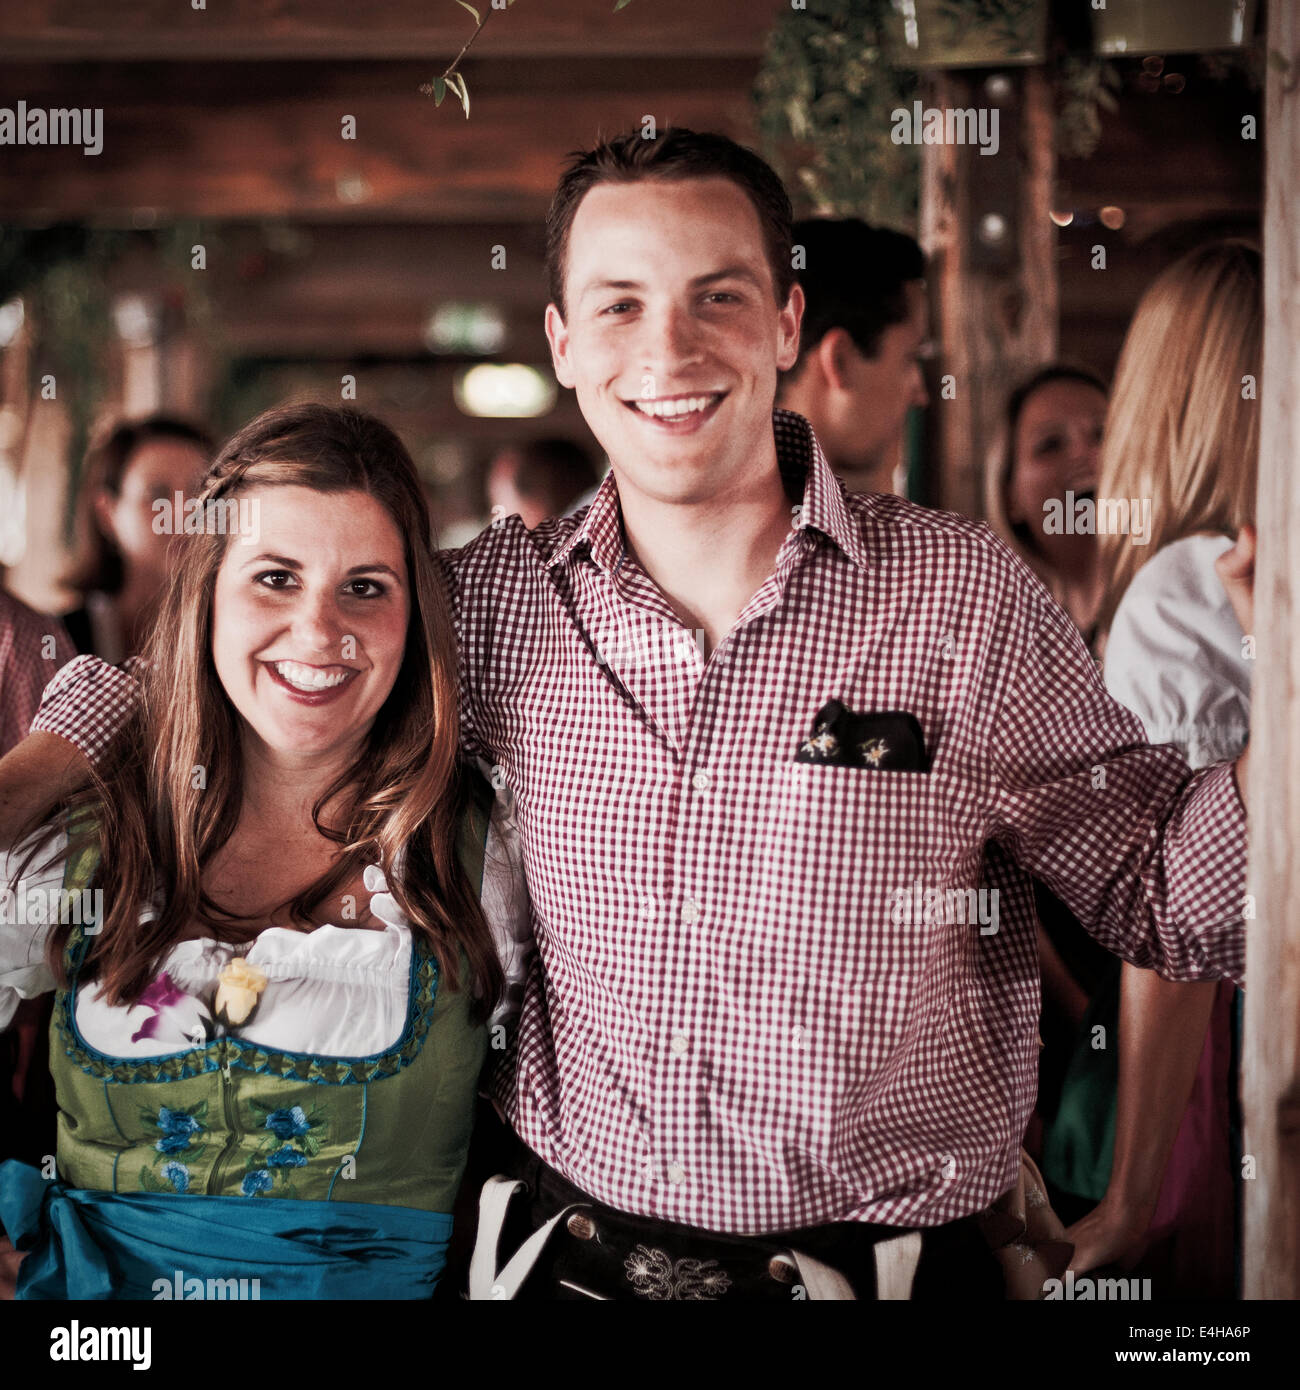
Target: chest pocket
855, 865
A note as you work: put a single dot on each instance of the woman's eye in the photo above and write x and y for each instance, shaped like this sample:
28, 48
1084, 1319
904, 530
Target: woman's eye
357, 588
270, 579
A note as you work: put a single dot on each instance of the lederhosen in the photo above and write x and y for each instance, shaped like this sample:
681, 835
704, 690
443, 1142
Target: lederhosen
575, 1247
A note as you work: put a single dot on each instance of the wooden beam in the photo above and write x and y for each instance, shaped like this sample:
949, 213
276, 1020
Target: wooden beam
1271, 1081
266, 140
995, 306
263, 29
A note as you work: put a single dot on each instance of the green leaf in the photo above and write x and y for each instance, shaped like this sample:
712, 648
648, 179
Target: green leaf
621, 4
439, 90
466, 6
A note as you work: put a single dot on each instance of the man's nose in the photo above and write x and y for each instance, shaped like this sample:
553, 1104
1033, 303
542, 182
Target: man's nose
671, 338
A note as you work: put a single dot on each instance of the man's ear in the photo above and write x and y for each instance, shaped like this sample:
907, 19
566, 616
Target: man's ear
836, 355
787, 347
557, 335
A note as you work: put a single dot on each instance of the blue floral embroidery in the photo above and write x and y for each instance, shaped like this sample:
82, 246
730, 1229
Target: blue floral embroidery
288, 1124
259, 1180
178, 1128
178, 1175
291, 1141
179, 1132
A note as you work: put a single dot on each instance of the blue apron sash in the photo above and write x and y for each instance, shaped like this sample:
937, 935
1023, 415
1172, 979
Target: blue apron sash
82, 1243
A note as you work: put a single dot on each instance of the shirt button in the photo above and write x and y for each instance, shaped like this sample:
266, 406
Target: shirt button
701, 781
648, 905
679, 1044
690, 911
676, 1174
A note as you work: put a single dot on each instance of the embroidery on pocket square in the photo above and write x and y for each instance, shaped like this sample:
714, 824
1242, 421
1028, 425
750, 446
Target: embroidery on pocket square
889, 741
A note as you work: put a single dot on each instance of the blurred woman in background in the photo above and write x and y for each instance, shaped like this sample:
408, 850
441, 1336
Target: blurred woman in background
135, 464
1050, 444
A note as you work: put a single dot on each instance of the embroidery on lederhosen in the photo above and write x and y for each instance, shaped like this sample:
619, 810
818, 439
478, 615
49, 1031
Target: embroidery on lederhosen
655, 1275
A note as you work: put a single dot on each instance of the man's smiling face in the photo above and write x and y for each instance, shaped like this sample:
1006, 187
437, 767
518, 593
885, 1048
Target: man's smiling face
673, 337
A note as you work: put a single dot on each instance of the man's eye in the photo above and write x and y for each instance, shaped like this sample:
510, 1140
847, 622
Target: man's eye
727, 295
622, 304
269, 579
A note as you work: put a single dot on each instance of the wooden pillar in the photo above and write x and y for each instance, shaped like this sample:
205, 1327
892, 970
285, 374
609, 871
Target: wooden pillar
1271, 1067
994, 301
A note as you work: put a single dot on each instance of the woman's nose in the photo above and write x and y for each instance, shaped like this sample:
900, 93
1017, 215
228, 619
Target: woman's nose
316, 623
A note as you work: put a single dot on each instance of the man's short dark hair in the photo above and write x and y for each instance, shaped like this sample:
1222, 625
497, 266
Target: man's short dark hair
854, 277
676, 153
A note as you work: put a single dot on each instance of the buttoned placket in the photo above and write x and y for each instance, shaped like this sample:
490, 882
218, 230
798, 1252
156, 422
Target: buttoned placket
700, 787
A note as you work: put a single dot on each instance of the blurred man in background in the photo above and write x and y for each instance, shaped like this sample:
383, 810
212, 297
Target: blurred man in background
865, 334
545, 477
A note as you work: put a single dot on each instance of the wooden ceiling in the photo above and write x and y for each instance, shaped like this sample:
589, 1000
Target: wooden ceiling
233, 116
260, 30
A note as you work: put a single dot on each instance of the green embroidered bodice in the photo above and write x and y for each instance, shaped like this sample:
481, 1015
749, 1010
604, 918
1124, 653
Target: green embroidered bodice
233, 1117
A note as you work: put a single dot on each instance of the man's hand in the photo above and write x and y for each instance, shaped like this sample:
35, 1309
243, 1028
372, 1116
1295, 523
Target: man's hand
42, 767
1236, 571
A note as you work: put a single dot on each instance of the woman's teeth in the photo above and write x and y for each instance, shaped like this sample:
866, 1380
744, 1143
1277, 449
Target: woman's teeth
308, 677
676, 409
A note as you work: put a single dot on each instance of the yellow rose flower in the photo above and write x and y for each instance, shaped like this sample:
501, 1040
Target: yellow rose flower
238, 986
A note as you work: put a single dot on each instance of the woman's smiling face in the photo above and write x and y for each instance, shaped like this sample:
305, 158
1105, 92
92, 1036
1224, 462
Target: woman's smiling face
309, 621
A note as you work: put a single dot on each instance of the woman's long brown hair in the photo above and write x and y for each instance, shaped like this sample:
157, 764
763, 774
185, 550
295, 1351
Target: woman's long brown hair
158, 822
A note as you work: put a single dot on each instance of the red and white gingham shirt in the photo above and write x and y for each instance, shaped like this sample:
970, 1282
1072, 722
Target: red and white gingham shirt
33, 646
731, 1023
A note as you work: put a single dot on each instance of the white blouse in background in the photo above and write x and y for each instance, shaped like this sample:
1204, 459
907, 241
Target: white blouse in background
1174, 654
333, 991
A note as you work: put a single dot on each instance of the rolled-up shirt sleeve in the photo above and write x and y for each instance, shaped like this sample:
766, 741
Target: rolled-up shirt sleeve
88, 703
1149, 856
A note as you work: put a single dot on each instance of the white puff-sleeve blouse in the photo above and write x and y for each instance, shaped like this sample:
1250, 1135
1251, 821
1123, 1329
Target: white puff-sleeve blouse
1175, 654
333, 991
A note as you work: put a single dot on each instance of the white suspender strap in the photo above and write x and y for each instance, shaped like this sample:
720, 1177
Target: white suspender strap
896, 1262
484, 1284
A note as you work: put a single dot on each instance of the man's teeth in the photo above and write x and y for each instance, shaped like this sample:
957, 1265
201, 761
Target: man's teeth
678, 409
308, 677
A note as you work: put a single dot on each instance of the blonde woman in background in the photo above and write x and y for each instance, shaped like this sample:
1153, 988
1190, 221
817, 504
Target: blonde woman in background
1182, 432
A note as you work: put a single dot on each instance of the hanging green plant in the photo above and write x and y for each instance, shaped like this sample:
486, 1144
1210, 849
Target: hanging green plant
824, 97
62, 274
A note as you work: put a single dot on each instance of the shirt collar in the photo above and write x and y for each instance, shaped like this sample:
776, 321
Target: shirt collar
825, 506
800, 459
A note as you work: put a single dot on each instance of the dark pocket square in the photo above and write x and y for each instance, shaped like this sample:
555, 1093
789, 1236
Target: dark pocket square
888, 742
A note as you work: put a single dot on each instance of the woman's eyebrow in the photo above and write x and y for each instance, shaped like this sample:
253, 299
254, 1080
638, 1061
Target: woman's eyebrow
372, 567
273, 559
